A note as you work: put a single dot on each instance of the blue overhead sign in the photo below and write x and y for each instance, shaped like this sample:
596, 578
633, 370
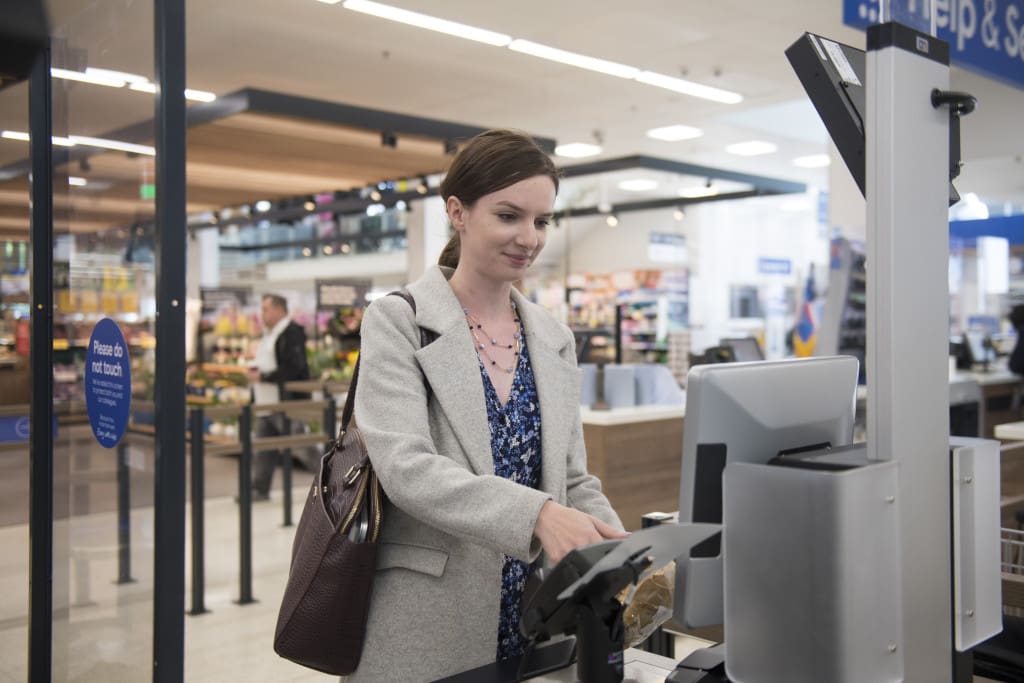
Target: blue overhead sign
986, 36
774, 266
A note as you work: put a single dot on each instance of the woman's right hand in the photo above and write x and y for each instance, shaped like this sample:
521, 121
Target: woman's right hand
562, 529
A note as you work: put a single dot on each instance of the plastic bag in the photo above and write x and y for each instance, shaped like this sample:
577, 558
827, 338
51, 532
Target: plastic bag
648, 604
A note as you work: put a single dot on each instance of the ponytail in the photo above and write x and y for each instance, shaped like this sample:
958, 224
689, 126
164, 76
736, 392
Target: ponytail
450, 254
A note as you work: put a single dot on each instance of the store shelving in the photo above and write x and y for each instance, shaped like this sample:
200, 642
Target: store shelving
844, 323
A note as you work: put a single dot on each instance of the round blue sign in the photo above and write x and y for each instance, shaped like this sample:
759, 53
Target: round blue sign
108, 382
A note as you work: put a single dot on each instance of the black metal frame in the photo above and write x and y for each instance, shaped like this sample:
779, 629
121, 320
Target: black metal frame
40, 638
171, 250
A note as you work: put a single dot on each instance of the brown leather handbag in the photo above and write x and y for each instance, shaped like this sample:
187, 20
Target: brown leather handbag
322, 620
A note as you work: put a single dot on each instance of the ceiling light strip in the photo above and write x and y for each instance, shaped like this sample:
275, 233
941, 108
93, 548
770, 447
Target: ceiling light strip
685, 87
428, 22
24, 137
115, 145
119, 79
573, 59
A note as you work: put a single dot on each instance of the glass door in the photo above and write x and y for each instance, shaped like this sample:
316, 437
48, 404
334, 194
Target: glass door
104, 340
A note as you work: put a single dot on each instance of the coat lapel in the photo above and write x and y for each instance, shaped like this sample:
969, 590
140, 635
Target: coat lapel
450, 366
558, 387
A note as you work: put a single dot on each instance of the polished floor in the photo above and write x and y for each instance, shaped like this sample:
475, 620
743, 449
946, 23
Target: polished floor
106, 635
103, 628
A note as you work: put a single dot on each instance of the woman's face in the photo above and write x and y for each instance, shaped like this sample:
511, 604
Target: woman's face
503, 232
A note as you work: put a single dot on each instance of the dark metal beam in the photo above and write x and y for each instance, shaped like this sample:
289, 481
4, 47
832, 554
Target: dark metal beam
169, 501
775, 185
40, 636
668, 203
266, 102
255, 101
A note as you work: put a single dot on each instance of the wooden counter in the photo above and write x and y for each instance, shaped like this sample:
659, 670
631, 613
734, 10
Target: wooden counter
636, 453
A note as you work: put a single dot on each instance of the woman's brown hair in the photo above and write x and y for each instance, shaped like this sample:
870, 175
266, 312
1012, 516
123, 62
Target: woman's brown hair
491, 161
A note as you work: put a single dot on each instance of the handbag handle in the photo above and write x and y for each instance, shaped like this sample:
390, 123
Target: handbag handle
426, 338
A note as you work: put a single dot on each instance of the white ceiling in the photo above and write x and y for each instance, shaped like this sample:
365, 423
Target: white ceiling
308, 48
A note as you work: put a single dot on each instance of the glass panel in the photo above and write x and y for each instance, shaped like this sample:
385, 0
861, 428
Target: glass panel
104, 290
15, 380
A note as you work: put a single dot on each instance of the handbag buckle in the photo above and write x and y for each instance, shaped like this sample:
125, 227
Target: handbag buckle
352, 474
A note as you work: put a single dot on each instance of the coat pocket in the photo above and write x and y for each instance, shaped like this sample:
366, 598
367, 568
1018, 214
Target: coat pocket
417, 558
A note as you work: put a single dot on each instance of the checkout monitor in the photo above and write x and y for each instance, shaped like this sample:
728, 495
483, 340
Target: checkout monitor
744, 349
749, 412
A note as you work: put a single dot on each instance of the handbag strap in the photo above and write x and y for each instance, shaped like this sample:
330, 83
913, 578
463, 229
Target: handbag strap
426, 337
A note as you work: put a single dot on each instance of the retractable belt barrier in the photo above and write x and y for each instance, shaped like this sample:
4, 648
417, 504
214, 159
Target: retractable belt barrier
245, 447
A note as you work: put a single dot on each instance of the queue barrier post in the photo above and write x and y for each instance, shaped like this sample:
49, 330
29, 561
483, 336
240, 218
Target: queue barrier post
197, 426
245, 507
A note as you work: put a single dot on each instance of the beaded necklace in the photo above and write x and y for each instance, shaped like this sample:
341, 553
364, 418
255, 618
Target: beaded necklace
482, 349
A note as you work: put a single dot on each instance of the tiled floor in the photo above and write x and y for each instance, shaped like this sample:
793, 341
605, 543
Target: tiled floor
107, 636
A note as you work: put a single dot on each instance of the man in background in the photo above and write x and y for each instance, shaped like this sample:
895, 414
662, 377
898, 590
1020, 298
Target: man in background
280, 358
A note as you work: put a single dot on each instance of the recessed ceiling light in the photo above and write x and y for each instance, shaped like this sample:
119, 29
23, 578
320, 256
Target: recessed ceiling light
76, 181
263, 205
612, 220
813, 161
577, 150
428, 22
674, 133
751, 149
638, 185
689, 87
698, 191
574, 59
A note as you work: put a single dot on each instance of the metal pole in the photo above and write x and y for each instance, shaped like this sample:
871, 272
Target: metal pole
330, 419
196, 426
124, 517
171, 250
286, 480
245, 508
40, 622
286, 475
907, 183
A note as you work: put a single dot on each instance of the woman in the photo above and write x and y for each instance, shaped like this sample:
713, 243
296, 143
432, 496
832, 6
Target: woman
477, 488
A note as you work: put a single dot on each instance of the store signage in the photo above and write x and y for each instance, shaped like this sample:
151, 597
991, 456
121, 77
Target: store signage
774, 266
331, 294
108, 382
15, 429
986, 36
666, 247
213, 299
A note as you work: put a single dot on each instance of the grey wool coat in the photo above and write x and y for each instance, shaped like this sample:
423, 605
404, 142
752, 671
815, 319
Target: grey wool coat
449, 519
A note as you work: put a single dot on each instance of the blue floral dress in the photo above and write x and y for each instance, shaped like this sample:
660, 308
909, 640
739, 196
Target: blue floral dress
515, 447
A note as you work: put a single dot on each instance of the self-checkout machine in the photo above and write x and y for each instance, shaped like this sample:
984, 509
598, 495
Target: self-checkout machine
866, 562
934, 556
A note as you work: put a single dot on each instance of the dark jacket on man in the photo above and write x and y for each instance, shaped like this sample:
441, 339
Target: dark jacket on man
290, 353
